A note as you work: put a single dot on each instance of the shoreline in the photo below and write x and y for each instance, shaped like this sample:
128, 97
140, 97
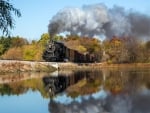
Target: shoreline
14, 66
63, 66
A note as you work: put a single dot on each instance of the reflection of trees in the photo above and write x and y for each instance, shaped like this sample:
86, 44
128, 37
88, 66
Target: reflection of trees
113, 80
125, 80
91, 83
12, 89
78, 83
21, 87
5, 89
86, 82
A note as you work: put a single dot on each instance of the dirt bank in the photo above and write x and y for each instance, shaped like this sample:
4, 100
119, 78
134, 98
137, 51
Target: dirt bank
30, 66
7, 66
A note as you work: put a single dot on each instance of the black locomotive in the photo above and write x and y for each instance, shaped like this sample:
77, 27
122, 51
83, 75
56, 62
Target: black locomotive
55, 52
58, 52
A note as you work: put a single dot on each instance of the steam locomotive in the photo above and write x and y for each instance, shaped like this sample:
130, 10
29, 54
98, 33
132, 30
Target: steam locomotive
55, 52
58, 52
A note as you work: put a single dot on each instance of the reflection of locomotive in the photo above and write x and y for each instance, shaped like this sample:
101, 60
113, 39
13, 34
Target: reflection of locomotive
57, 84
57, 51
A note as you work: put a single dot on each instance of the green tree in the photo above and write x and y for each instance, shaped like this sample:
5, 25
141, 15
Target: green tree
44, 39
29, 52
10, 42
33, 52
5, 44
6, 19
1, 49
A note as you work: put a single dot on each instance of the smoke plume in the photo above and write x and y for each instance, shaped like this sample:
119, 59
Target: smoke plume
97, 20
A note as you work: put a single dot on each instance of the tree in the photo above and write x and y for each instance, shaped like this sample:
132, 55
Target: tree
18, 41
14, 53
1, 49
6, 19
44, 39
147, 46
117, 50
5, 43
133, 47
32, 52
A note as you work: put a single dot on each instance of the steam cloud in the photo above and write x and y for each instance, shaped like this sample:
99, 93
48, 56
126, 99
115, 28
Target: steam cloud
96, 20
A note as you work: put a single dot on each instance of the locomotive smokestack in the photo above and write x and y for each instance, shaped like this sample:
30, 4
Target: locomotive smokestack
96, 20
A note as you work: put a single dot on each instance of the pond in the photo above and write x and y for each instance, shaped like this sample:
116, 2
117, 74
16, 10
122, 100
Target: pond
113, 90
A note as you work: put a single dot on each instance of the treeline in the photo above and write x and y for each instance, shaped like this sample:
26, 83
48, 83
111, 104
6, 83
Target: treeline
114, 50
126, 50
18, 48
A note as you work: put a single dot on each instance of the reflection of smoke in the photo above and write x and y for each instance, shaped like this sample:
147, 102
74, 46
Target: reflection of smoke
91, 20
141, 102
123, 103
118, 104
85, 104
94, 106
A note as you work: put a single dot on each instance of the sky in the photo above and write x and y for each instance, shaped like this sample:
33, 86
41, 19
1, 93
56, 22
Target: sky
36, 14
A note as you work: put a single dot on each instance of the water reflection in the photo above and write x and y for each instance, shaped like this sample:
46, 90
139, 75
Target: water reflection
88, 91
102, 91
21, 83
80, 104
103, 102
58, 83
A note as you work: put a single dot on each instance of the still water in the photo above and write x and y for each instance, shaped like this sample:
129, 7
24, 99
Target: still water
76, 91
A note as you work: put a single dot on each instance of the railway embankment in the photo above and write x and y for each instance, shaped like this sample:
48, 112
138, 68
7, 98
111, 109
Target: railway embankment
12, 66
32, 66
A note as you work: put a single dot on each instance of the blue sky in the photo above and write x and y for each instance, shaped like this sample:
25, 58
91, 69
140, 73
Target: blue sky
36, 14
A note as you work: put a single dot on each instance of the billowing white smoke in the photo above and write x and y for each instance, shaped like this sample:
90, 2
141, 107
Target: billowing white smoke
91, 20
